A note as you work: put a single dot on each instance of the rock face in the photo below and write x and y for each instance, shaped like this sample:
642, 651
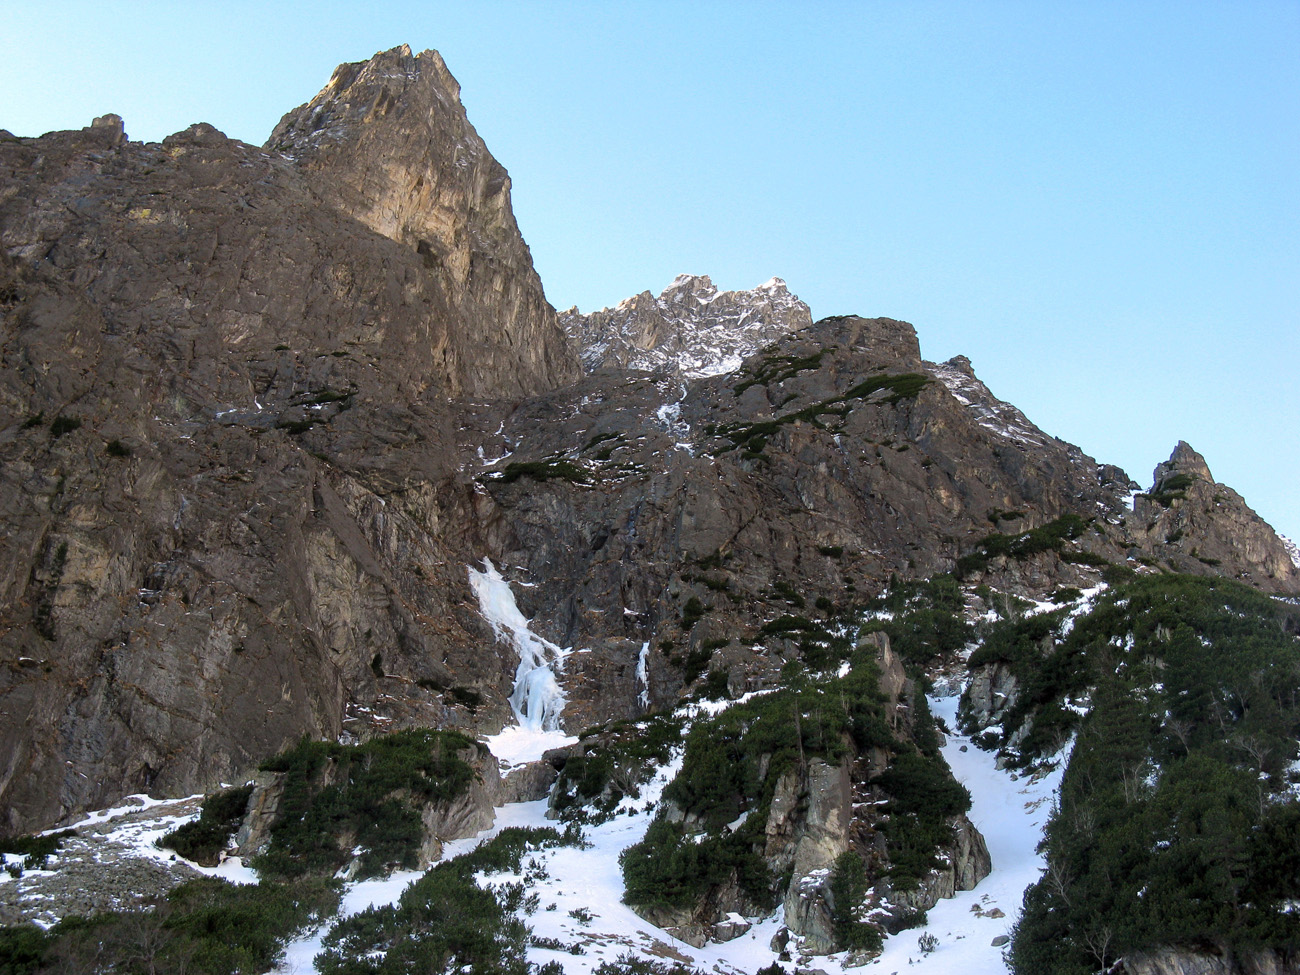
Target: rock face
466, 815
226, 456
691, 329
260, 408
387, 141
1198, 525
992, 691
968, 862
807, 829
1176, 962
822, 812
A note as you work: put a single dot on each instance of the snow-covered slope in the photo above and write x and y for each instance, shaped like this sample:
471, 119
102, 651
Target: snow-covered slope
578, 918
580, 890
692, 328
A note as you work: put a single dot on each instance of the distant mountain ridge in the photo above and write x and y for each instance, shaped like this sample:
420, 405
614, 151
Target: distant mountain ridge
691, 328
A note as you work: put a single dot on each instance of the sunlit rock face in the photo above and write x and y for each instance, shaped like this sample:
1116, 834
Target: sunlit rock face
233, 505
387, 141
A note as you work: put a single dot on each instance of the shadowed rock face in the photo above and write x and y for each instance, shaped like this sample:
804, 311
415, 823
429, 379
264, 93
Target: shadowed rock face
253, 408
220, 391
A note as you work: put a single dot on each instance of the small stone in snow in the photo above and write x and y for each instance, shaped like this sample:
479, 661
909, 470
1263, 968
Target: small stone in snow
999, 941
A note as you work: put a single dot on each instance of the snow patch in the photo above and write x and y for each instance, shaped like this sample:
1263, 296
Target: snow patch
518, 745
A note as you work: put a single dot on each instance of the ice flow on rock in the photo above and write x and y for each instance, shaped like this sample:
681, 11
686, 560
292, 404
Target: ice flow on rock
537, 699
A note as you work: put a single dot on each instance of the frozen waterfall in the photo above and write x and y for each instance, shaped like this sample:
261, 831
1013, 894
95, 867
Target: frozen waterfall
537, 699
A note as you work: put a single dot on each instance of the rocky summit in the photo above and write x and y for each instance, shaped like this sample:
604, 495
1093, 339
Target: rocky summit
307, 486
691, 328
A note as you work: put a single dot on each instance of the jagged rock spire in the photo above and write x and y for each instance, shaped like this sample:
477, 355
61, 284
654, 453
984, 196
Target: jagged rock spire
1200, 525
393, 147
691, 328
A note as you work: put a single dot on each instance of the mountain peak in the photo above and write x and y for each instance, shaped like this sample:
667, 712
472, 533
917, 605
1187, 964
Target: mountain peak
691, 328
361, 91
691, 282
1184, 460
1199, 524
387, 142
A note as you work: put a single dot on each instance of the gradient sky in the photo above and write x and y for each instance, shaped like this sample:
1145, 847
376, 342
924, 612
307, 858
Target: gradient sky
1097, 202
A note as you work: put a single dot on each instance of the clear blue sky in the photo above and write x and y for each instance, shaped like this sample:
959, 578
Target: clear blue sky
1097, 202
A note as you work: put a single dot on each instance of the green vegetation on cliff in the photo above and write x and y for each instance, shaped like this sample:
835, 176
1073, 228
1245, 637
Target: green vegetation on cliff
923, 619
729, 774
1050, 537
710, 832
201, 840
618, 762
753, 437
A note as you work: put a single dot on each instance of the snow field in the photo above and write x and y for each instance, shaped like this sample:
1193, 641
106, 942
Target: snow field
580, 891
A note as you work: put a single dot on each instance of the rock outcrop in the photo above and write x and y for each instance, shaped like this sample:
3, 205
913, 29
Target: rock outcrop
387, 141
1192, 523
1173, 961
827, 819
807, 830
467, 813
966, 863
992, 691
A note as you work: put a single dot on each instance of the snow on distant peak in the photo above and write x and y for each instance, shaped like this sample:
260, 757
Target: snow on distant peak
691, 328
682, 280
1292, 550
